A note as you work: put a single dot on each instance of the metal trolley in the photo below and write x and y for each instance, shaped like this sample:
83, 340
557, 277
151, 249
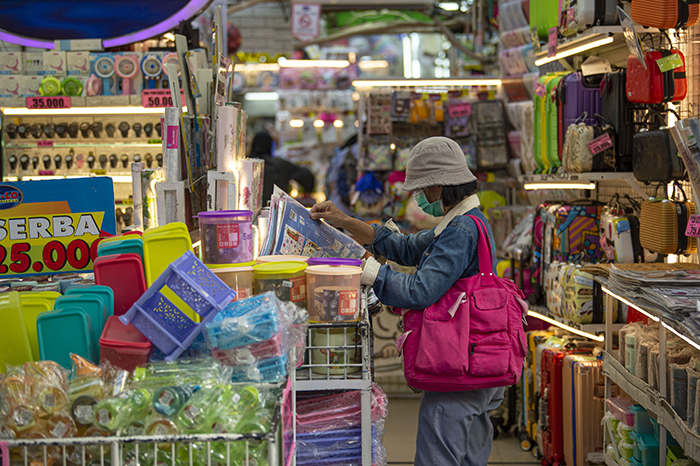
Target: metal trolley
341, 365
163, 450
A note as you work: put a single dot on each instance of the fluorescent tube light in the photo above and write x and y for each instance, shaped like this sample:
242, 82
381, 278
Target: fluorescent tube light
534, 186
372, 64
623, 300
575, 50
683, 337
449, 6
20, 111
314, 63
568, 328
426, 82
258, 67
262, 96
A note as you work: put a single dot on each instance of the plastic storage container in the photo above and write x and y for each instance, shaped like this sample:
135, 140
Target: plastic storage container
286, 279
637, 452
239, 279
280, 258
16, 344
340, 351
333, 261
123, 345
620, 408
124, 275
333, 293
674, 453
642, 425
227, 236
650, 450
657, 435
163, 245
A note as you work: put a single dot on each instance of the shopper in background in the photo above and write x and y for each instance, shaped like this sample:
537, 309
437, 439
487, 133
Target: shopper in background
279, 171
454, 427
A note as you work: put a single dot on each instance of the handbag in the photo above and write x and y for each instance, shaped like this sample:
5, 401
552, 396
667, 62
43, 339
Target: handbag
589, 148
472, 337
662, 226
655, 155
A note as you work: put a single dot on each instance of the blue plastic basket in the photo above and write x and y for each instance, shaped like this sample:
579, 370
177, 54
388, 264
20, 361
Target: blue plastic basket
166, 326
270, 370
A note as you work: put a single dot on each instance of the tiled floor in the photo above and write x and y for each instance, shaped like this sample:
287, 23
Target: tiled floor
400, 438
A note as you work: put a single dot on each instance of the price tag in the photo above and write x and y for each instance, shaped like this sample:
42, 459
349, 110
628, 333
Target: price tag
553, 42
670, 62
460, 109
155, 98
44, 143
693, 228
4, 454
540, 90
48, 102
600, 144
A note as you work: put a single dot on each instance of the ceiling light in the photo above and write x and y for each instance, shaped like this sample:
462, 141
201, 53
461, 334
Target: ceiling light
258, 67
535, 186
261, 96
169, 36
574, 51
318, 123
687, 340
392, 146
338, 123
449, 6
568, 328
426, 82
314, 63
21, 111
296, 123
373, 64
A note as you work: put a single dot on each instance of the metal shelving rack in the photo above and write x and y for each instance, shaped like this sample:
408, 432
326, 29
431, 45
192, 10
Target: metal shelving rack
654, 401
352, 374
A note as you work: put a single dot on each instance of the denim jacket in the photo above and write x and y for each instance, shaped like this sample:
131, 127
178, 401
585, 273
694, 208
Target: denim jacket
443, 255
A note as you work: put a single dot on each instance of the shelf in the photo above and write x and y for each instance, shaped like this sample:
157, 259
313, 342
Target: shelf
588, 328
589, 35
323, 385
82, 144
649, 398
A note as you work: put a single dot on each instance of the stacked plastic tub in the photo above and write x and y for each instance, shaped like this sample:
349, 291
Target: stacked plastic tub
329, 429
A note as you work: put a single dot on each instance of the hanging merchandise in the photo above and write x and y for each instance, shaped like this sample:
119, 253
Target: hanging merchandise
378, 154
458, 113
655, 155
576, 232
488, 120
544, 15
379, 113
665, 14
663, 224
103, 67
589, 148
513, 14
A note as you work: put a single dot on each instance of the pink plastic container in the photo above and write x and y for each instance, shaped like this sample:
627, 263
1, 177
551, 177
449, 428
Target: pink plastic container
123, 345
620, 408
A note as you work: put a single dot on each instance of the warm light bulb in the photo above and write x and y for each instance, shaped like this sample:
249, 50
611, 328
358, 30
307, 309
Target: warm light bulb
318, 123
393, 146
296, 123
338, 123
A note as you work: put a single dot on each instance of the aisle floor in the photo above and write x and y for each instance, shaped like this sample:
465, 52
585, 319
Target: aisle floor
400, 438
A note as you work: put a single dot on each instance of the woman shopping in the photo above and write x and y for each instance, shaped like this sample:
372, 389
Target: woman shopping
454, 427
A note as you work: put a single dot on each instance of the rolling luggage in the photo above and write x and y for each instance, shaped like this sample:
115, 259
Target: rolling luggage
541, 140
579, 94
577, 232
552, 420
582, 384
528, 434
620, 113
663, 14
552, 161
651, 85
544, 15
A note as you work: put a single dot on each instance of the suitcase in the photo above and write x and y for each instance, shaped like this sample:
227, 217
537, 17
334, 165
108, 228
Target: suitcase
582, 402
662, 227
620, 113
527, 142
536, 257
577, 233
528, 435
553, 159
589, 13
544, 15
579, 94
655, 157
650, 85
551, 420
541, 126
664, 14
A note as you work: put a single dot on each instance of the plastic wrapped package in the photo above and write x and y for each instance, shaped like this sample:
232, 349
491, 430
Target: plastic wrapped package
654, 367
693, 377
627, 329
678, 387
205, 372
341, 447
641, 362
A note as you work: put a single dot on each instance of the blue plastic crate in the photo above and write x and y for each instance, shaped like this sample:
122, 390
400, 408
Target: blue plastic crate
166, 326
266, 371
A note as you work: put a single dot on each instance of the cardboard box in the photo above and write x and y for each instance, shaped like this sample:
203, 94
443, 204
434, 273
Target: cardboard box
78, 63
30, 86
77, 44
55, 63
11, 62
10, 86
33, 63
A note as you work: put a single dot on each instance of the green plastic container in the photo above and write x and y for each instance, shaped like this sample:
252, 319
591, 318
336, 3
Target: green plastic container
642, 424
63, 332
93, 307
103, 292
16, 347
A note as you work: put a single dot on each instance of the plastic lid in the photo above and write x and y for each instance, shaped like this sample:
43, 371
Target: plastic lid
225, 214
232, 270
279, 268
216, 267
116, 333
638, 409
333, 270
647, 441
334, 261
267, 259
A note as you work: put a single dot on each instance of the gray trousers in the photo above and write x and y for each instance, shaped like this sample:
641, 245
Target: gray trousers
454, 428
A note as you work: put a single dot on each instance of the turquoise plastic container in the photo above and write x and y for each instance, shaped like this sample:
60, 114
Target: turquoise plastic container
649, 448
657, 434
93, 307
642, 424
127, 246
63, 332
105, 293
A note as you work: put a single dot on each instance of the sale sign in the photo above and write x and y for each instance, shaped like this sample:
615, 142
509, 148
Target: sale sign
54, 226
306, 21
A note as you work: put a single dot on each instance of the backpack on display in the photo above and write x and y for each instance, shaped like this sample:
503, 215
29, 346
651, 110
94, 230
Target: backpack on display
472, 337
665, 14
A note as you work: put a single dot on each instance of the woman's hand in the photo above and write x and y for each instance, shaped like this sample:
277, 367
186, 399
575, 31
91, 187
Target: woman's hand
330, 213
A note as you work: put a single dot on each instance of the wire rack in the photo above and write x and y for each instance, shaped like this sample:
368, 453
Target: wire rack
273, 448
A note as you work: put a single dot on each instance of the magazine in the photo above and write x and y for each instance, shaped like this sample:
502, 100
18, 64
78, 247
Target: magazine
291, 231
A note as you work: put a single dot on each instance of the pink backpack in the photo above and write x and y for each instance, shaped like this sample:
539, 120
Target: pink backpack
472, 338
